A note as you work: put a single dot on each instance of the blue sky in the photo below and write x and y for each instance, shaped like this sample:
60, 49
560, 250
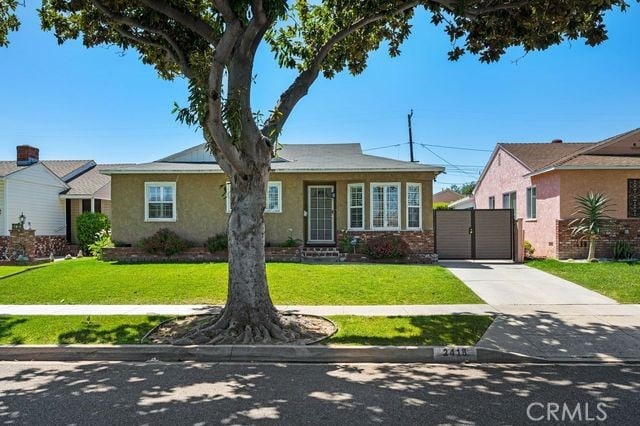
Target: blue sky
75, 103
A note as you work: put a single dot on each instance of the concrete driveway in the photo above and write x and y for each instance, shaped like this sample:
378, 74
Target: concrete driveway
501, 283
541, 315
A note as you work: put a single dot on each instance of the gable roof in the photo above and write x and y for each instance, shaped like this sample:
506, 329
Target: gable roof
537, 155
89, 183
543, 157
293, 158
64, 170
446, 196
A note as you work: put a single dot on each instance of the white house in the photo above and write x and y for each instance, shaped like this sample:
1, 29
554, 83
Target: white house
50, 194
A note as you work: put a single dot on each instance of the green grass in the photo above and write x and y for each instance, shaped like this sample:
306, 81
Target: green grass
411, 331
89, 281
436, 330
71, 329
8, 270
617, 280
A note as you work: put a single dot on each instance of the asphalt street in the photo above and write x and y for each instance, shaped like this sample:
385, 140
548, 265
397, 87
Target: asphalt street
197, 394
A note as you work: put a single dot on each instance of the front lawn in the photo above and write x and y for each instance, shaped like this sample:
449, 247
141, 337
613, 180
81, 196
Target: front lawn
89, 281
353, 330
617, 280
438, 330
8, 270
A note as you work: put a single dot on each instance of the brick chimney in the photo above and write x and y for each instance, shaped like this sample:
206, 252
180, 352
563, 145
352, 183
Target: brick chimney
27, 155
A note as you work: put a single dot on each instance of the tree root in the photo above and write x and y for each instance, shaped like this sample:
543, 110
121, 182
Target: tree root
221, 330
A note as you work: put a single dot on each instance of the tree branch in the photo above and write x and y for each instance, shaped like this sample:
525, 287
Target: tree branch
475, 10
186, 19
300, 87
215, 125
225, 10
175, 51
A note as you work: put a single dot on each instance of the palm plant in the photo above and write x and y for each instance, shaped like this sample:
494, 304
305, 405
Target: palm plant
592, 219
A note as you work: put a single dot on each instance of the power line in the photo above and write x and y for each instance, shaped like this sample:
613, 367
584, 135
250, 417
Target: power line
457, 147
445, 160
388, 146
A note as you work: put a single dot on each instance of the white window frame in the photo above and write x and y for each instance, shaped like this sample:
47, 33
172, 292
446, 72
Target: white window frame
529, 203
419, 206
349, 206
371, 192
266, 210
515, 206
148, 185
277, 184
492, 202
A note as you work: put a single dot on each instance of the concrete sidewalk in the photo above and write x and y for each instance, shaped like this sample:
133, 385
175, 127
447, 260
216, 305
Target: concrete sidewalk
179, 310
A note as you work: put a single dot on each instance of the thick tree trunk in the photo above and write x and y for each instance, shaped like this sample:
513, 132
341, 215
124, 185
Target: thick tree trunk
249, 315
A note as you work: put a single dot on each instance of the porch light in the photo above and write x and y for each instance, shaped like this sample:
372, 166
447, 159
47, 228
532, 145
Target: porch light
22, 219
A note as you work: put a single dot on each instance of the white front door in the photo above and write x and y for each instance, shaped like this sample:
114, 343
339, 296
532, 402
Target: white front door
320, 204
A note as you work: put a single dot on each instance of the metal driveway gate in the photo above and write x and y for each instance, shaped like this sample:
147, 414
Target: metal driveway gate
474, 234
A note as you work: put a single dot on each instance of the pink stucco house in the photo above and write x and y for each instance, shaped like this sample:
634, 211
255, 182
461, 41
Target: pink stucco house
540, 182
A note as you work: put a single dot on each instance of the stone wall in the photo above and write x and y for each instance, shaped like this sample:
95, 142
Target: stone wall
420, 242
23, 241
569, 247
4, 246
46, 244
194, 254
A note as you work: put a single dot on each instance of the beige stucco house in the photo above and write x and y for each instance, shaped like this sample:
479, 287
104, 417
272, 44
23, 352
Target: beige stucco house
316, 194
541, 180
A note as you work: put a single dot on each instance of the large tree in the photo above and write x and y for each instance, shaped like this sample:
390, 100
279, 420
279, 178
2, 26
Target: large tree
213, 45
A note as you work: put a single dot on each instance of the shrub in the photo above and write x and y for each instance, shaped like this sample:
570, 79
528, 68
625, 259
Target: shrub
165, 242
622, 250
387, 247
291, 242
89, 225
528, 250
218, 242
441, 206
103, 241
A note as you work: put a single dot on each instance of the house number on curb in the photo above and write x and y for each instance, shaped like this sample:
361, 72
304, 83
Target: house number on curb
455, 353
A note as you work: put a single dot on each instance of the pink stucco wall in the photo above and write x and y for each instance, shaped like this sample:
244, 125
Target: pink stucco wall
506, 174
612, 183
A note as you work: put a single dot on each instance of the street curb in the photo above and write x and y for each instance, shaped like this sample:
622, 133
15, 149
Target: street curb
247, 353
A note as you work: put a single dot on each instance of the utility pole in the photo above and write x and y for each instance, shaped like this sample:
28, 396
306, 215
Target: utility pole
409, 116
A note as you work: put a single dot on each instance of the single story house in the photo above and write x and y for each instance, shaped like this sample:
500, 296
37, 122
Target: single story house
317, 194
466, 203
50, 194
446, 196
540, 181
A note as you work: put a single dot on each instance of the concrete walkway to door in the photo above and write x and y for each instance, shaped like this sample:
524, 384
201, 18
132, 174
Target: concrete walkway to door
506, 283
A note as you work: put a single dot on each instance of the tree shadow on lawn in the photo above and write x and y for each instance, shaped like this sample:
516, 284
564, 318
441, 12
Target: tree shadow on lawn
92, 331
7, 324
433, 330
80, 329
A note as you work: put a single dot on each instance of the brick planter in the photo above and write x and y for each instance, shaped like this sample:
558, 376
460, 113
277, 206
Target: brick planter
413, 258
569, 247
56, 244
193, 255
420, 242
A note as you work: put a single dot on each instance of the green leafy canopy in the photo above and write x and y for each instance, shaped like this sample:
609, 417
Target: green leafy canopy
213, 43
